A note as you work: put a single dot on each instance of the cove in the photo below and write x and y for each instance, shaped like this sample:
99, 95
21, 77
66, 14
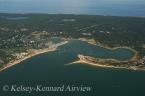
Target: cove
81, 47
49, 69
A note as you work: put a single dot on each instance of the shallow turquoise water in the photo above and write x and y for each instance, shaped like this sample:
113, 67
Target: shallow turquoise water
50, 69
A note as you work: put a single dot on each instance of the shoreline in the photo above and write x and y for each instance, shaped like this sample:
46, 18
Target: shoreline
87, 14
32, 53
95, 64
103, 66
133, 58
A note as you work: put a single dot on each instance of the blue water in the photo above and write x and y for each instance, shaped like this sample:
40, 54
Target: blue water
93, 7
49, 69
80, 47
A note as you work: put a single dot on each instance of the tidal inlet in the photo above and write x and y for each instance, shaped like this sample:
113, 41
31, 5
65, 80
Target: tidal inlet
72, 48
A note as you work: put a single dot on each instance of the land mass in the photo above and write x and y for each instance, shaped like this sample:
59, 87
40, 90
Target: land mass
107, 63
30, 53
25, 35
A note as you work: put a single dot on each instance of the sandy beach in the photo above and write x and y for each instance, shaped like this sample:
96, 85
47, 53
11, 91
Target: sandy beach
80, 61
95, 64
104, 66
31, 53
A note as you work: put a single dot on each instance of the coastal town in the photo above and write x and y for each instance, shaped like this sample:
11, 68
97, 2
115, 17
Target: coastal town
22, 39
72, 47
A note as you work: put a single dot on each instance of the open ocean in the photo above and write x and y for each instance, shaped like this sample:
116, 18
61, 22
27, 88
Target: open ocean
49, 69
90, 7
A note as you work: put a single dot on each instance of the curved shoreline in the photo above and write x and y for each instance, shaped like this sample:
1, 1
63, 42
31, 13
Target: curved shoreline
133, 58
35, 52
32, 53
103, 65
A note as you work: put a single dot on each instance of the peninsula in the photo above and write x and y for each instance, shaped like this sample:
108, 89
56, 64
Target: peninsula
107, 63
25, 35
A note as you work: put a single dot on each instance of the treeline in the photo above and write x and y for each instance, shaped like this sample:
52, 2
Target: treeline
111, 30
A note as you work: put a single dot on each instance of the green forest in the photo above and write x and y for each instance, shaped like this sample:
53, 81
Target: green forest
113, 31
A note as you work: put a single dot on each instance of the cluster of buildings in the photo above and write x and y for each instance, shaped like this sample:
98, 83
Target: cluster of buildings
142, 61
20, 55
